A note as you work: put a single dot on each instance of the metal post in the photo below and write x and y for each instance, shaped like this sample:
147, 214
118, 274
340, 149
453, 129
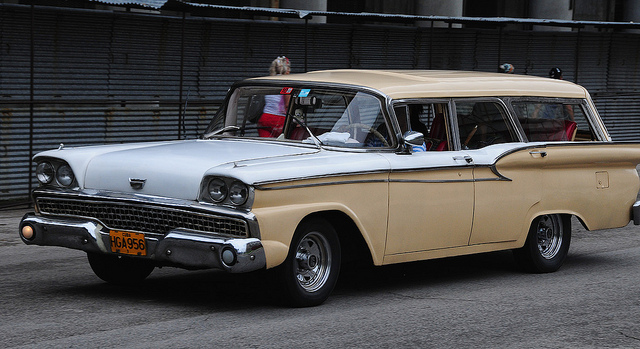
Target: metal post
431, 46
306, 41
181, 115
31, 95
499, 48
417, 38
577, 56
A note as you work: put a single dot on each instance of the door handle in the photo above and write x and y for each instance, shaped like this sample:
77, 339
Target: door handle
466, 158
538, 152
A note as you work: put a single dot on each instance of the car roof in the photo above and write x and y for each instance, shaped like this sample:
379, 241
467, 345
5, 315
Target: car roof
401, 84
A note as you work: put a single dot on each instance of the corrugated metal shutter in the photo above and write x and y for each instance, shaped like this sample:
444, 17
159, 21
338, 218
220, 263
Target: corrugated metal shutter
111, 77
15, 51
14, 86
451, 49
593, 61
621, 115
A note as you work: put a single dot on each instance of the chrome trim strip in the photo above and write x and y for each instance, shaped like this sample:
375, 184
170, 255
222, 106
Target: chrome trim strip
259, 185
432, 180
440, 168
297, 186
497, 173
502, 178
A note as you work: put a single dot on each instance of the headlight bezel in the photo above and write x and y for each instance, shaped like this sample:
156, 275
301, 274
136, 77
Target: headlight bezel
45, 172
65, 176
222, 190
238, 193
55, 173
241, 197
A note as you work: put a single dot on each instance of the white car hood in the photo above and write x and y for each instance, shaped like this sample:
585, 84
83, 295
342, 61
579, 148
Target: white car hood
169, 169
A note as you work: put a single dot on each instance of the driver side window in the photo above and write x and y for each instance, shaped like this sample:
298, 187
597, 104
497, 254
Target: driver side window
483, 123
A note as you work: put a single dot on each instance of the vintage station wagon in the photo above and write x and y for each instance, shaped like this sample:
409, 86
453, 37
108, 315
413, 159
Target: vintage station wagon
300, 172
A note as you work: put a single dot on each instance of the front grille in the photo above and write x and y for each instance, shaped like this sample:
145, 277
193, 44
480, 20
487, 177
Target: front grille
142, 217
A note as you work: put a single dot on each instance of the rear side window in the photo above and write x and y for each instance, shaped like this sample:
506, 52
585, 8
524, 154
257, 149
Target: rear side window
483, 123
553, 121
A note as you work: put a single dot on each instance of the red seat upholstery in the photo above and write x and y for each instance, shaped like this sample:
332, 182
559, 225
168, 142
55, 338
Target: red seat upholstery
438, 131
570, 129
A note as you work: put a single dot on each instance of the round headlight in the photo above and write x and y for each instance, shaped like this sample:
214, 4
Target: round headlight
64, 175
45, 172
238, 193
218, 190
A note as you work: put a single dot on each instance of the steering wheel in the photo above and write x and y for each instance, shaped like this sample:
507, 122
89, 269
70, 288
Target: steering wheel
471, 134
362, 126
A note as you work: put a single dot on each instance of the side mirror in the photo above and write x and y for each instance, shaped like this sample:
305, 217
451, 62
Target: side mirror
411, 139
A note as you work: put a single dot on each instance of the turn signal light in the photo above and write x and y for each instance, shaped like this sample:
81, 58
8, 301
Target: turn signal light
27, 232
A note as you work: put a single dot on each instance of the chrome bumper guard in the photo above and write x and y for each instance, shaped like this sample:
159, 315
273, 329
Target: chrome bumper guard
179, 248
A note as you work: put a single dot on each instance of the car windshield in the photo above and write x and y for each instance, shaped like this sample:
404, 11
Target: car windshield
309, 115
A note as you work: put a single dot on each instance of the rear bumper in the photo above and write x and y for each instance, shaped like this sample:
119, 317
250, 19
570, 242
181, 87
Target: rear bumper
636, 213
179, 248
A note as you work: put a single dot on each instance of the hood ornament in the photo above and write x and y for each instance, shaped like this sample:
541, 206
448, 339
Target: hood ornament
137, 183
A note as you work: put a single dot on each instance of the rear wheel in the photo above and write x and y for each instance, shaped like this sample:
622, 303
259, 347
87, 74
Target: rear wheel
119, 270
547, 244
311, 269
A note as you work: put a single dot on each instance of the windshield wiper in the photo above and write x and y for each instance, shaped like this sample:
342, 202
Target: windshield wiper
315, 139
221, 130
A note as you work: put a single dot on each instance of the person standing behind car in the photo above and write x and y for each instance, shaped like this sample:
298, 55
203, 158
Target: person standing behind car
506, 68
556, 73
271, 121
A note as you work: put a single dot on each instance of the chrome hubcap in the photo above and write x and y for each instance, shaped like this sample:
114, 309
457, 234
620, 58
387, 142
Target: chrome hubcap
549, 235
313, 262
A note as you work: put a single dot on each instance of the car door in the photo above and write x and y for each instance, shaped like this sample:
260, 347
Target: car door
430, 193
507, 181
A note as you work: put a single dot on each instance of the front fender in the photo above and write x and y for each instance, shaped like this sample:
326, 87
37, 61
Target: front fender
278, 224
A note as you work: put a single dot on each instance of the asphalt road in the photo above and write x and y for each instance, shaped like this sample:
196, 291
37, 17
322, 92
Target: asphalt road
50, 298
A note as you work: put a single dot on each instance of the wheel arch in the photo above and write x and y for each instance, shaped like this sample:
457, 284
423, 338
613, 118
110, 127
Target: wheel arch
547, 243
278, 225
535, 214
353, 244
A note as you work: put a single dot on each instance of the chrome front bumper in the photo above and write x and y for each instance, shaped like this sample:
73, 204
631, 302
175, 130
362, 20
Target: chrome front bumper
179, 248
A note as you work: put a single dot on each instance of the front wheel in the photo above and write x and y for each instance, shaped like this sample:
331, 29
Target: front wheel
311, 269
547, 244
119, 270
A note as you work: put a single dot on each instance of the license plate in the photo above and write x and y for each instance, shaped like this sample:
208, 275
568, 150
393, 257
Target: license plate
125, 242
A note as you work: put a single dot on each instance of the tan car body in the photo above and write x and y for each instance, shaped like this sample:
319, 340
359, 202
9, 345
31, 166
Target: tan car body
571, 179
402, 219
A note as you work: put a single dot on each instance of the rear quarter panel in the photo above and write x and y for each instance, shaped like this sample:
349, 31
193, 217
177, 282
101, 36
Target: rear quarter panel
597, 182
